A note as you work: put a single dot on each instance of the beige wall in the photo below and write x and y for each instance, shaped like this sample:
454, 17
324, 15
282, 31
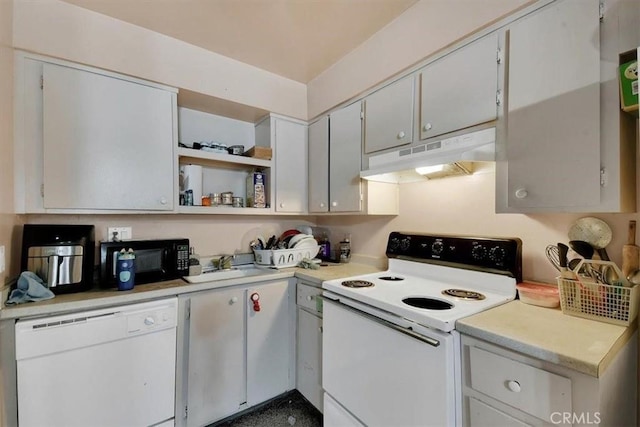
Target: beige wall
422, 30
62, 30
7, 218
208, 234
466, 205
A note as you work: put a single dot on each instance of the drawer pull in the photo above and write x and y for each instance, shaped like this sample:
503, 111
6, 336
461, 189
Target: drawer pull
514, 386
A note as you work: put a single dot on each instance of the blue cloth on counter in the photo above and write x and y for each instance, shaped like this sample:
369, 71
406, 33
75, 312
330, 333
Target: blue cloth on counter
30, 287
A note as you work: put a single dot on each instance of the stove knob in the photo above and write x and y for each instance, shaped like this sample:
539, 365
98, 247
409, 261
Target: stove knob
478, 252
497, 254
405, 243
437, 248
394, 243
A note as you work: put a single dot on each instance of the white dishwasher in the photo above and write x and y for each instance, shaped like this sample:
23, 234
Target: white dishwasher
111, 367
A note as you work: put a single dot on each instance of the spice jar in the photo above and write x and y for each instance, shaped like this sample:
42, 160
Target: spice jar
227, 198
206, 201
238, 202
216, 200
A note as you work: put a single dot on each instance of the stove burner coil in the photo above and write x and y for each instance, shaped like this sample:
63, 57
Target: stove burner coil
391, 278
464, 294
427, 303
357, 284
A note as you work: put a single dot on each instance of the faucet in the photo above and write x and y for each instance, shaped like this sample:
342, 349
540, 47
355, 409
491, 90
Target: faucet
224, 263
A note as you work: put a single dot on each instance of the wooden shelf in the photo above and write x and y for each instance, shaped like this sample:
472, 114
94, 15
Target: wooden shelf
220, 160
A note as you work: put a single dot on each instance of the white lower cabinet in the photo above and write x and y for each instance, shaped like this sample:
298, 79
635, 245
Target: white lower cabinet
309, 344
505, 388
230, 355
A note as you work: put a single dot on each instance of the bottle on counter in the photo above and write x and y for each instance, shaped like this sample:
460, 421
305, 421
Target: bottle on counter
345, 249
325, 247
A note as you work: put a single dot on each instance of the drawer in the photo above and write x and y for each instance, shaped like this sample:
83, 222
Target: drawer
483, 415
519, 385
308, 297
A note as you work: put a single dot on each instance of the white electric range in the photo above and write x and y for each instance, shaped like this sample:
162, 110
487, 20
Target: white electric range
391, 354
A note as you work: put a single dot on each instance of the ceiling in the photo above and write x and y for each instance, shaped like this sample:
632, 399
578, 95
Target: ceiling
297, 39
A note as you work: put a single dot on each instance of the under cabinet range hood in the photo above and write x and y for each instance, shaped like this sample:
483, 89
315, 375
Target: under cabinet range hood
436, 159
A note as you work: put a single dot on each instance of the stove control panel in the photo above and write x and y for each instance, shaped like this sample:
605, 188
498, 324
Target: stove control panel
492, 254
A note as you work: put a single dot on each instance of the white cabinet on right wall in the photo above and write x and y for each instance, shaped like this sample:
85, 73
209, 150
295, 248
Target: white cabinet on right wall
567, 146
460, 90
388, 116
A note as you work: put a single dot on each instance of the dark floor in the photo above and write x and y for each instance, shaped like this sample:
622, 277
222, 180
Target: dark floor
288, 410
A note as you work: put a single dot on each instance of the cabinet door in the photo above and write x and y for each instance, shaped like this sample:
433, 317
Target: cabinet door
459, 90
108, 143
291, 166
345, 141
389, 116
319, 165
216, 371
268, 342
553, 118
309, 363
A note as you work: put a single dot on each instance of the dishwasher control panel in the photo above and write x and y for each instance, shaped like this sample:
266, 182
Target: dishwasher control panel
148, 320
47, 335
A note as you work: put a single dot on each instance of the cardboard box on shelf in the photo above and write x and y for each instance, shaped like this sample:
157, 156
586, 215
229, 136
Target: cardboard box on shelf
629, 87
256, 190
259, 153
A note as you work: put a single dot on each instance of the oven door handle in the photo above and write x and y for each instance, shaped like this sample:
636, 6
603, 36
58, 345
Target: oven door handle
427, 340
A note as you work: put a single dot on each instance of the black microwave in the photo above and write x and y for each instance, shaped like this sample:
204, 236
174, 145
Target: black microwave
156, 260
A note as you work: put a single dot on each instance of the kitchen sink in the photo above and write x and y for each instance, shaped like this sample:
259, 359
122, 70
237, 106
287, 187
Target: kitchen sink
232, 273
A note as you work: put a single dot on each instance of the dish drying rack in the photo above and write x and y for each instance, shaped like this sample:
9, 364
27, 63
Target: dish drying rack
586, 295
284, 258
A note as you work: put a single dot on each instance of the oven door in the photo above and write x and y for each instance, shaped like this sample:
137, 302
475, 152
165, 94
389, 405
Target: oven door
384, 374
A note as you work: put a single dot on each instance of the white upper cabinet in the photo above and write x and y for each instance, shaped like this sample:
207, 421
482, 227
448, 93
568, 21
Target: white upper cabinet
335, 186
104, 142
345, 142
319, 165
553, 117
460, 89
290, 142
108, 143
388, 116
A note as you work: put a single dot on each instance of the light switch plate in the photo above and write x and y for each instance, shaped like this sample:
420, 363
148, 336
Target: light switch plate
2, 262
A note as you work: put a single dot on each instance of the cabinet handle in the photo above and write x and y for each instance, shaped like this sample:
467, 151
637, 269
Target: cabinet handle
401, 135
514, 386
149, 321
334, 204
322, 205
320, 329
521, 193
427, 127
282, 205
233, 300
163, 200
309, 297
255, 299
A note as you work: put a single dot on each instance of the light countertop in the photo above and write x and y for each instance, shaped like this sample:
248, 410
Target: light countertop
587, 346
99, 298
584, 345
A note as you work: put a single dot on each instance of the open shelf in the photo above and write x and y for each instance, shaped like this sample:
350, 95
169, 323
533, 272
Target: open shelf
219, 160
224, 210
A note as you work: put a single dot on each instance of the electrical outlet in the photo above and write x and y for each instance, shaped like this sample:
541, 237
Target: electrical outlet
121, 233
2, 264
